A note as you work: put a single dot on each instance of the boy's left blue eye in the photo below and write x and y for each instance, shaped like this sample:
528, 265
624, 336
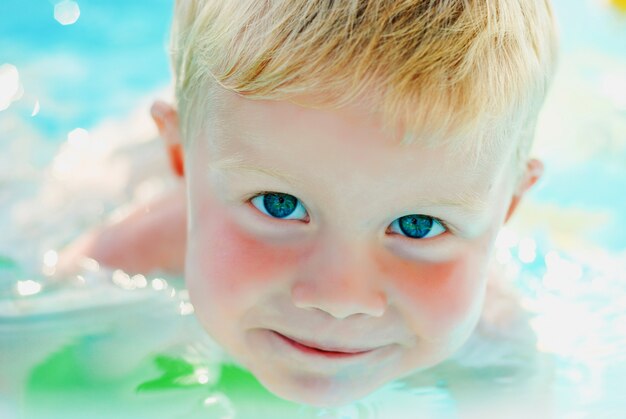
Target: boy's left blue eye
285, 206
418, 226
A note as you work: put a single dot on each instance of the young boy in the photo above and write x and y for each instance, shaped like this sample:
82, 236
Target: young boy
347, 166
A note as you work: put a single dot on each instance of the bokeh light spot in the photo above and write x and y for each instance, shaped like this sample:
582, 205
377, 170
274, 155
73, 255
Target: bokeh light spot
28, 287
66, 12
9, 85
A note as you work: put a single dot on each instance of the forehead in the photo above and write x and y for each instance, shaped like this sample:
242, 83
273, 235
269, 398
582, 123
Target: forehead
343, 148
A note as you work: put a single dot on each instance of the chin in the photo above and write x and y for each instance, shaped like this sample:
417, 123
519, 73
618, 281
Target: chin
323, 392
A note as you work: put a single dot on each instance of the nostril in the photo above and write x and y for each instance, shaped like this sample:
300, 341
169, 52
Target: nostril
337, 303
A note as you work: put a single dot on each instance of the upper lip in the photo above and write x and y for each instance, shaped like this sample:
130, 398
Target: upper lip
330, 347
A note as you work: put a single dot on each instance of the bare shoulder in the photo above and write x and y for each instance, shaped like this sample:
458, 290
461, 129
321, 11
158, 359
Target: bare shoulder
503, 311
150, 237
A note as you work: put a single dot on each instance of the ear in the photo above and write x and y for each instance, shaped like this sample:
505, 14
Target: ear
534, 170
166, 119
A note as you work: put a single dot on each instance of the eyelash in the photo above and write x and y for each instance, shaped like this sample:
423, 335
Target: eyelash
438, 220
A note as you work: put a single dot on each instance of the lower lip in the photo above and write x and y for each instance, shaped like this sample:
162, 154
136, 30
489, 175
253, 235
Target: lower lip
318, 352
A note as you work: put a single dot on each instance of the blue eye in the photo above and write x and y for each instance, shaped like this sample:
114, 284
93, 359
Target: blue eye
288, 207
279, 205
419, 226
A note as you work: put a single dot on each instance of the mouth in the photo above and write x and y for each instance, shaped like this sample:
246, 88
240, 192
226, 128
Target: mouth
317, 350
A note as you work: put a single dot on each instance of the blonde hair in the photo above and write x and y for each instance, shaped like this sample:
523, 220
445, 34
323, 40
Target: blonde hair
449, 70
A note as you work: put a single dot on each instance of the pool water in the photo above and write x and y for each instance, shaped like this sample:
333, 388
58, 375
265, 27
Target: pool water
103, 344
114, 345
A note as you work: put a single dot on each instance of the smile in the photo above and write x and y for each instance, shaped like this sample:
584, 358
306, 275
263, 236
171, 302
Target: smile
317, 351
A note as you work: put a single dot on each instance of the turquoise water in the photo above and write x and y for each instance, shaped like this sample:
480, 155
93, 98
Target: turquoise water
104, 344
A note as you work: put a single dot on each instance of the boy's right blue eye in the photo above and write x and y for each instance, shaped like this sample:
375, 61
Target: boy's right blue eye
279, 205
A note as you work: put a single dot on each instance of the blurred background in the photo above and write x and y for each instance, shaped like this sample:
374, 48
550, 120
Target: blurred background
76, 84
77, 79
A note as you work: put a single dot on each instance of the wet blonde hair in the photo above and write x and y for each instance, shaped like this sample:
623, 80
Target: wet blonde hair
464, 73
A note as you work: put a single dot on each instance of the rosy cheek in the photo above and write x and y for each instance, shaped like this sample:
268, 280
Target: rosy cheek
437, 295
236, 261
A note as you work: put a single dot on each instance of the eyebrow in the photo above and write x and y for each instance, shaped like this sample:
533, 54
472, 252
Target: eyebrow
469, 201
238, 163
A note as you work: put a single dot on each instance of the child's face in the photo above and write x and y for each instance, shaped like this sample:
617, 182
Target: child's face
337, 270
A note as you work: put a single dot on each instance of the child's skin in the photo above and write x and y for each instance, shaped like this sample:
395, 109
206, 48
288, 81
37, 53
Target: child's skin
339, 273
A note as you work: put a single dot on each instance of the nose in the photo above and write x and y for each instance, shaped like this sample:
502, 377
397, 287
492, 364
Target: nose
339, 280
